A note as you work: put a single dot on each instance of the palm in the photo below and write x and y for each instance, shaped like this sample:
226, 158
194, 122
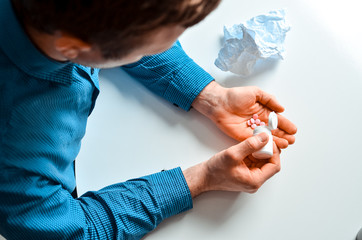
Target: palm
238, 107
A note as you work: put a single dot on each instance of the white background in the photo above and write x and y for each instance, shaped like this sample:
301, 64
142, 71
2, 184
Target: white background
318, 193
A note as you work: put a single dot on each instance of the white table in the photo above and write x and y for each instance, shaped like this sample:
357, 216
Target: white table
318, 193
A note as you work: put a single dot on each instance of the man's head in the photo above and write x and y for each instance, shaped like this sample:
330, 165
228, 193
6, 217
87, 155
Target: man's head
110, 32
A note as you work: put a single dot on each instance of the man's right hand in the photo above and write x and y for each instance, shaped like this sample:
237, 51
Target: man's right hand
234, 169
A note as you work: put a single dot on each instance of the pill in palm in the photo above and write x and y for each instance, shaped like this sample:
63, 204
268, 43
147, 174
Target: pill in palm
255, 116
249, 123
252, 120
253, 126
257, 121
262, 123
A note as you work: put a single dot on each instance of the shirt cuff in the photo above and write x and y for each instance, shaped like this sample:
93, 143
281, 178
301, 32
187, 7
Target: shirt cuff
186, 85
171, 192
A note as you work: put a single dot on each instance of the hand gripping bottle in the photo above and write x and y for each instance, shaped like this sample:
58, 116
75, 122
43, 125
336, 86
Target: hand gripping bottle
267, 150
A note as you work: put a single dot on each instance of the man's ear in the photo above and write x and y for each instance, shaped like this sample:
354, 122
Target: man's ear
69, 46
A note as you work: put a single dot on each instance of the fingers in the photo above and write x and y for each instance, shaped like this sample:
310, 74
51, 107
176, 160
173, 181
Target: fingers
286, 128
252, 144
275, 159
284, 134
268, 100
281, 142
271, 168
232, 169
289, 139
286, 125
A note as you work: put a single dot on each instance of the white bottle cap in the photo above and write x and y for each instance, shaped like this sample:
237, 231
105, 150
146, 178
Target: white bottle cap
273, 121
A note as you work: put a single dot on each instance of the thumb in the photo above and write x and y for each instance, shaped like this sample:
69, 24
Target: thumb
253, 144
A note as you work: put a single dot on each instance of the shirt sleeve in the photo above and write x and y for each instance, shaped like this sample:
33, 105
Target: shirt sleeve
38, 144
172, 75
33, 207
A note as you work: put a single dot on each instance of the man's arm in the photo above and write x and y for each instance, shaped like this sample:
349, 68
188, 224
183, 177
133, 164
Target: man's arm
177, 78
172, 75
38, 143
34, 207
35, 200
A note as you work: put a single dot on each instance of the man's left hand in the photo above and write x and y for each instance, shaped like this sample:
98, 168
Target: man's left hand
231, 108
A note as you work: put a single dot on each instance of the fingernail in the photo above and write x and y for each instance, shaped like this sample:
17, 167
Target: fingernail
263, 137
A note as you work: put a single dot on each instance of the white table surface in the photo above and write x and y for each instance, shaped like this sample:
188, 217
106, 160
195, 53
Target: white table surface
317, 194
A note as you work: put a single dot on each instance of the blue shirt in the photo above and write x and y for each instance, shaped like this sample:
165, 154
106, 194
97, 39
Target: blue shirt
44, 106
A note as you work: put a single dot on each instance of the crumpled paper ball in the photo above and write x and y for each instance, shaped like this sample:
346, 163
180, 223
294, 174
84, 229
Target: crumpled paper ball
260, 38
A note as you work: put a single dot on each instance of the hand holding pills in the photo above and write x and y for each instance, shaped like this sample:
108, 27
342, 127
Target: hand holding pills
231, 109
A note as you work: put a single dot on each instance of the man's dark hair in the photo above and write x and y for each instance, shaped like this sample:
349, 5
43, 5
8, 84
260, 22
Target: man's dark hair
115, 26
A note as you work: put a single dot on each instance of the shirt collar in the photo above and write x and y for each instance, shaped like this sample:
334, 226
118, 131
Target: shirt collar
15, 43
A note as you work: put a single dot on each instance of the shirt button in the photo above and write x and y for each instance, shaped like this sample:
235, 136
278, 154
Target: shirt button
92, 71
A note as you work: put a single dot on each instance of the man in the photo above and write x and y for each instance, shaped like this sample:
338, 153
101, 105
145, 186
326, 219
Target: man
50, 55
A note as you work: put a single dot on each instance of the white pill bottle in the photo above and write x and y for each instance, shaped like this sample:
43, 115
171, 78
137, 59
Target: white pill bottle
267, 150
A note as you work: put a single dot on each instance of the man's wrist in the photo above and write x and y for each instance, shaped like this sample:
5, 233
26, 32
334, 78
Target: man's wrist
196, 179
208, 99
